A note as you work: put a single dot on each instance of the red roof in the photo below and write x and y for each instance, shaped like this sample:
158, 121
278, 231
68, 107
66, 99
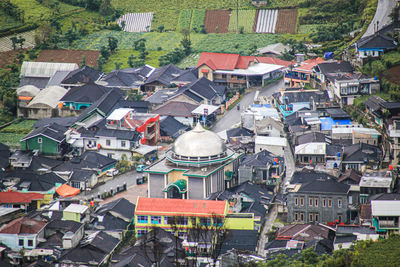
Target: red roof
221, 61
23, 225
19, 197
309, 64
181, 207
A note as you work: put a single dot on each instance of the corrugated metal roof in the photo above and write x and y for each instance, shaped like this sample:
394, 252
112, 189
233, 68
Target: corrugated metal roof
45, 69
49, 96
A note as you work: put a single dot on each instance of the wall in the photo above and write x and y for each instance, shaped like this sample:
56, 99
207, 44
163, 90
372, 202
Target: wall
195, 188
277, 150
209, 75
74, 241
11, 240
240, 221
156, 185
48, 146
40, 113
71, 216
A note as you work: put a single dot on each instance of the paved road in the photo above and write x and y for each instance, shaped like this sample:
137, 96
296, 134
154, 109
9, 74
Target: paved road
382, 13
232, 117
129, 178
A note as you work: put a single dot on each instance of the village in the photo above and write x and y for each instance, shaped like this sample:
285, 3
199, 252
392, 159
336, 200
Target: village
237, 160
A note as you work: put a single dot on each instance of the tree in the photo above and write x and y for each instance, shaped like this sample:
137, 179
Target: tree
143, 54
160, 28
117, 65
70, 36
131, 58
112, 44
21, 41
83, 61
100, 62
106, 9
105, 53
185, 42
14, 41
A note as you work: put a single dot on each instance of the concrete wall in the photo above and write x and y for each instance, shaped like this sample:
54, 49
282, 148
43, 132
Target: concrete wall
12, 240
195, 188
156, 185
40, 113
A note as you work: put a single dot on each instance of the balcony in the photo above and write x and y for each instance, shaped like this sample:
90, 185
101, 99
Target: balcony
288, 76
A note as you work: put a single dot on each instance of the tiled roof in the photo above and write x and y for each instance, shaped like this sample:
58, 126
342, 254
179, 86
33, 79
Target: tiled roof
18, 197
160, 206
23, 225
309, 64
175, 108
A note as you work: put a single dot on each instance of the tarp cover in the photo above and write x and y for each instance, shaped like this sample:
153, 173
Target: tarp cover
67, 191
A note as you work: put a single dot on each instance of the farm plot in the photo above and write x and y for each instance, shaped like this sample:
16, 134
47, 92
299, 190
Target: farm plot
198, 17
184, 20
7, 21
246, 20
6, 43
266, 21
69, 56
393, 74
217, 21
8, 57
286, 22
121, 56
136, 22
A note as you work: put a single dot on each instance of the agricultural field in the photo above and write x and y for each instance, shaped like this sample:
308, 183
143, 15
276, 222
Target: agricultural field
6, 43
284, 3
308, 28
184, 21
8, 57
167, 18
7, 21
136, 22
198, 17
84, 17
246, 20
266, 21
69, 56
191, 19
121, 56
11, 139
11, 134
286, 22
217, 21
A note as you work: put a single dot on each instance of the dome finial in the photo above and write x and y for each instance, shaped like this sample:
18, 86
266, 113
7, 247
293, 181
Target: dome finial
198, 128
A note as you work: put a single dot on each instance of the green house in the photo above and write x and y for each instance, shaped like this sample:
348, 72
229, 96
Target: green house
48, 139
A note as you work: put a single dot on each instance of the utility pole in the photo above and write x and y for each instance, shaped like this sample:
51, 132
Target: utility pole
237, 16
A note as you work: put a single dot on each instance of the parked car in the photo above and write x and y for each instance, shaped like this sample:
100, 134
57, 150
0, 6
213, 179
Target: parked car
112, 172
140, 168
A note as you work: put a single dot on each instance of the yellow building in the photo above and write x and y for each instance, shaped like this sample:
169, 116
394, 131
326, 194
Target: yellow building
181, 215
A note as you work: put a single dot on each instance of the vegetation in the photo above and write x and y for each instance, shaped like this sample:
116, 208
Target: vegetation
184, 20
19, 127
197, 23
246, 20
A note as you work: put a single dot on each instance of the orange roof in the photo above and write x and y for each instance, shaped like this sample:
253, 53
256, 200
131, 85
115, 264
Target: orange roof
67, 191
23, 225
19, 197
24, 97
180, 207
309, 64
222, 61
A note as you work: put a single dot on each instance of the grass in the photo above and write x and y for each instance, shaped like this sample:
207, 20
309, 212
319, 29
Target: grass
85, 17
198, 17
11, 139
184, 20
189, 61
123, 55
20, 127
246, 20
284, 3
7, 21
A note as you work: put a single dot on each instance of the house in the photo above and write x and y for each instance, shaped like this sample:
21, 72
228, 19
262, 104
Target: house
394, 133
322, 70
376, 183
127, 79
94, 250
39, 73
273, 50
77, 213
82, 96
197, 159
241, 240
374, 46
310, 153
9, 214
357, 134
205, 91
186, 214
261, 167
302, 72
171, 128
373, 108
318, 201
4, 157
26, 201
314, 137
116, 215
386, 213
81, 76
83, 179
181, 111
22, 233
347, 235
161, 78
361, 156
25, 94
268, 127
187, 76
236, 71
248, 197
65, 234
66, 191
275, 145
350, 176
48, 140
45, 104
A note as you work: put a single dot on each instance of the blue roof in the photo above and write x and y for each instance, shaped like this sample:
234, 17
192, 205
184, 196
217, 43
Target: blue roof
327, 122
261, 105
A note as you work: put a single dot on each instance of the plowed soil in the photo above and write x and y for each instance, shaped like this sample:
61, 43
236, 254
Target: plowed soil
217, 18
394, 75
69, 56
287, 19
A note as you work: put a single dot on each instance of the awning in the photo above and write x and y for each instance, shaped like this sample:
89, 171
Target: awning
67, 191
228, 175
181, 185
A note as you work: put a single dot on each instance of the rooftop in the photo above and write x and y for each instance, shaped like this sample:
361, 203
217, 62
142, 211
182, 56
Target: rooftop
23, 225
76, 208
19, 197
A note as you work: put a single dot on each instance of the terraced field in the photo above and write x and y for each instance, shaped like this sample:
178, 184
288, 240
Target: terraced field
136, 22
217, 21
7, 21
286, 22
246, 20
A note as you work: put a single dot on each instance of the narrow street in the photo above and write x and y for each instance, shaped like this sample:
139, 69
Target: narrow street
232, 116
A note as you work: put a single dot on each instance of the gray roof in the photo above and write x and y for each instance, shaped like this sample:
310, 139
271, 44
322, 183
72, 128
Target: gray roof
119, 134
119, 206
176, 109
162, 96
204, 88
87, 93
52, 131
314, 137
39, 82
81, 175
185, 76
63, 121
83, 75
335, 67
164, 74
58, 77
373, 102
169, 126
324, 186
377, 41
361, 152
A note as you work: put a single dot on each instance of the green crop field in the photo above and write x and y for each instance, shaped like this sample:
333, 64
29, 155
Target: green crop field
84, 17
121, 56
7, 21
246, 20
21, 127
184, 20
35, 12
198, 17
11, 139
284, 3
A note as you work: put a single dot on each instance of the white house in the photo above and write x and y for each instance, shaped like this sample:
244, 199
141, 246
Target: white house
275, 145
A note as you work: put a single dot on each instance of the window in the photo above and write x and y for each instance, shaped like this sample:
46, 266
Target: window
329, 202
182, 235
30, 242
218, 222
316, 217
205, 221
39, 140
296, 201
182, 220
169, 220
324, 202
110, 155
316, 202
310, 217
339, 203
302, 217
223, 76
141, 232
340, 218
302, 201
296, 217
108, 142
194, 221
310, 202
142, 219
20, 242
123, 143
155, 219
